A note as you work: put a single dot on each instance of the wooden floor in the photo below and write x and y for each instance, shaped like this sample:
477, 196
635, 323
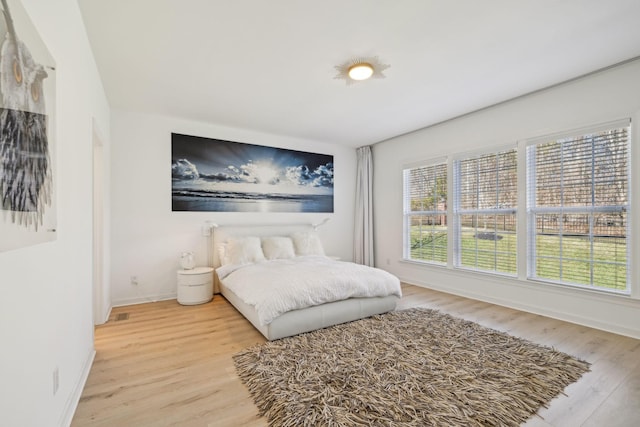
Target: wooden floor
169, 364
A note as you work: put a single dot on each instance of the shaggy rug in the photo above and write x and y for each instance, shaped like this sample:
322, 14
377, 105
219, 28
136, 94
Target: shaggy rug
415, 367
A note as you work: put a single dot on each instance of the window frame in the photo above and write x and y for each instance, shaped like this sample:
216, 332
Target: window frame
458, 212
532, 210
408, 213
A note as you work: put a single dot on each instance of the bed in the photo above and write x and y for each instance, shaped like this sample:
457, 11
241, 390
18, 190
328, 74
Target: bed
280, 280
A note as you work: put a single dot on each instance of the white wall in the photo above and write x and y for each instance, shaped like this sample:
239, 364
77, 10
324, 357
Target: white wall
45, 290
148, 237
606, 96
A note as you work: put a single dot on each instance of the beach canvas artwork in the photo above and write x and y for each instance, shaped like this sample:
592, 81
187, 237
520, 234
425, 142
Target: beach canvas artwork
215, 175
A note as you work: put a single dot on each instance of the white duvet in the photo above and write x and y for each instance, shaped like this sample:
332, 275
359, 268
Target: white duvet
277, 286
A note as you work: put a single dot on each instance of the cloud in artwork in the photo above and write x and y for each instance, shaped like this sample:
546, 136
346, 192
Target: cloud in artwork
230, 174
184, 169
221, 176
322, 176
260, 172
298, 174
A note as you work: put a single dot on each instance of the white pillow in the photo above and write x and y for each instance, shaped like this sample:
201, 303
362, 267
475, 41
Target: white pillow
244, 250
278, 247
223, 256
307, 243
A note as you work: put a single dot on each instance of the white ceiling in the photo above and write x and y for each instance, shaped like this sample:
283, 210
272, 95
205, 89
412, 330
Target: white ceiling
268, 66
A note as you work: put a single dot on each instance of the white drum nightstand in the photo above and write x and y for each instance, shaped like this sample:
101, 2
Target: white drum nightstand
195, 286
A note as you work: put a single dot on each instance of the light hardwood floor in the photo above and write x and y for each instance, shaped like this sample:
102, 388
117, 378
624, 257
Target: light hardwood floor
169, 364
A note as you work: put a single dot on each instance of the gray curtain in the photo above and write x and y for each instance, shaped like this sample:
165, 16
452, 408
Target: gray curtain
363, 236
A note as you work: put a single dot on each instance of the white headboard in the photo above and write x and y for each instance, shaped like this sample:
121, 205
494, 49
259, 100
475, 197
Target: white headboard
220, 233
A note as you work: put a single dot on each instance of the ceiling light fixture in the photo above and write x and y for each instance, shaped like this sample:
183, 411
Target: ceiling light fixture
359, 69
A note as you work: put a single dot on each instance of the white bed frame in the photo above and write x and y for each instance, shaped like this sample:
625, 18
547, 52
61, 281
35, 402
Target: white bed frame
297, 321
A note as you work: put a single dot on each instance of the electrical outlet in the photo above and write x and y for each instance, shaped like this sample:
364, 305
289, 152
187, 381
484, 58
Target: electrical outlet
134, 280
56, 380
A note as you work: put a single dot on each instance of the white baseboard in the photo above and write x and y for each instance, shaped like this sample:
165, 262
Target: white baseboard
106, 318
74, 398
628, 309
144, 299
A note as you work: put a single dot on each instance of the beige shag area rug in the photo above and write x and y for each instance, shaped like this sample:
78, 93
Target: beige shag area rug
415, 367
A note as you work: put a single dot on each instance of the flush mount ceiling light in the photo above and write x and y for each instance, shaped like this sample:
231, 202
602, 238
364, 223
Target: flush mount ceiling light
359, 69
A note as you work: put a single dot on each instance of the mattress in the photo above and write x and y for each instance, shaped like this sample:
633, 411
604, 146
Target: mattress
281, 285
309, 319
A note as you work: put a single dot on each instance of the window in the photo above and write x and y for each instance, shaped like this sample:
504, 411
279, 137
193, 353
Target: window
485, 200
578, 208
575, 218
425, 213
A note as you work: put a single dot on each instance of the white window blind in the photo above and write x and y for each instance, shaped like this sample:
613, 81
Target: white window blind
578, 208
425, 213
485, 201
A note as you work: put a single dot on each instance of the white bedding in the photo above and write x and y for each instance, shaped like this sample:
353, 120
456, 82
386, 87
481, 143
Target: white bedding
278, 286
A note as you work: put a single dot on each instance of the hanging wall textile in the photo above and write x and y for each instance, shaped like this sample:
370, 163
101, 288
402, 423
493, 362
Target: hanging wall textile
27, 101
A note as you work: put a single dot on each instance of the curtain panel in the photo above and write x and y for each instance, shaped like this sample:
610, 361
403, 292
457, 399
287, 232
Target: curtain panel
363, 237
